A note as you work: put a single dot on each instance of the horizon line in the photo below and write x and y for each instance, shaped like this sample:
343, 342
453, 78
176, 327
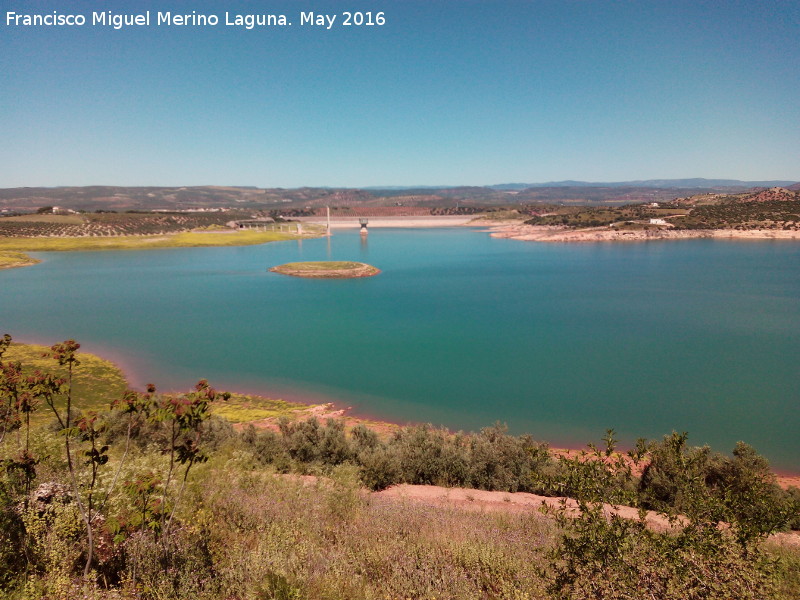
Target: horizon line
551, 183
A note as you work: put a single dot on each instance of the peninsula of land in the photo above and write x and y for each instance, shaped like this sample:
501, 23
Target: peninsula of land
555, 233
772, 213
12, 260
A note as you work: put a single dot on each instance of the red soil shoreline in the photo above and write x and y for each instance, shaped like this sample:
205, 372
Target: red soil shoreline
318, 404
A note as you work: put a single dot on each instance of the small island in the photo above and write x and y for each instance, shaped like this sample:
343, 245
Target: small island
327, 269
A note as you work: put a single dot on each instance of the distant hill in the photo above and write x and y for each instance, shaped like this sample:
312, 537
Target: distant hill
773, 194
120, 198
696, 182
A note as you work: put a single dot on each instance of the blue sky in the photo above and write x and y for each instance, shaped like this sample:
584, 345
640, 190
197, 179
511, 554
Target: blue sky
446, 92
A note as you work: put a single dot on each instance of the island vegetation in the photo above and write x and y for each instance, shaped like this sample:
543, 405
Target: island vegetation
331, 269
111, 493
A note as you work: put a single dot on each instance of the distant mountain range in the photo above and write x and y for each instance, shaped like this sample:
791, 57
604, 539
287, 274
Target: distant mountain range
120, 198
697, 182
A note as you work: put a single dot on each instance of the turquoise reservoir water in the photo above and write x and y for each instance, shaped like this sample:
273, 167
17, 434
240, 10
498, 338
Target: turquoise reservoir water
561, 341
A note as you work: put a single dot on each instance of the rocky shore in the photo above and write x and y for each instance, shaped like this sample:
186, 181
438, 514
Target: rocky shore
539, 233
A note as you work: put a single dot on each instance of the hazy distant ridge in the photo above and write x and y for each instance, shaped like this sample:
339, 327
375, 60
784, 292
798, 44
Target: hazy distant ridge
696, 182
121, 198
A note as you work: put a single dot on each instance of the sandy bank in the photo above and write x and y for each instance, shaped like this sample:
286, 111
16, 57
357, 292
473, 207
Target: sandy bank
537, 233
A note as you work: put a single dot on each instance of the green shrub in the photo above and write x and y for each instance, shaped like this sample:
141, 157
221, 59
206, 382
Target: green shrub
598, 558
592, 476
379, 468
364, 438
793, 501
12, 535
334, 448
711, 487
431, 456
266, 446
308, 442
499, 461
751, 496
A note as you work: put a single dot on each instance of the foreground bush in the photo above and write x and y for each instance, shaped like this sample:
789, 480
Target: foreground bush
157, 499
675, 475
708, 486
713, 550
422, 454
599, 558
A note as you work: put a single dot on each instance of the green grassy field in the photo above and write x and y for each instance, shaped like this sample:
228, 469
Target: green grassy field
12, 249
135, 242
242, 408
96, 381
